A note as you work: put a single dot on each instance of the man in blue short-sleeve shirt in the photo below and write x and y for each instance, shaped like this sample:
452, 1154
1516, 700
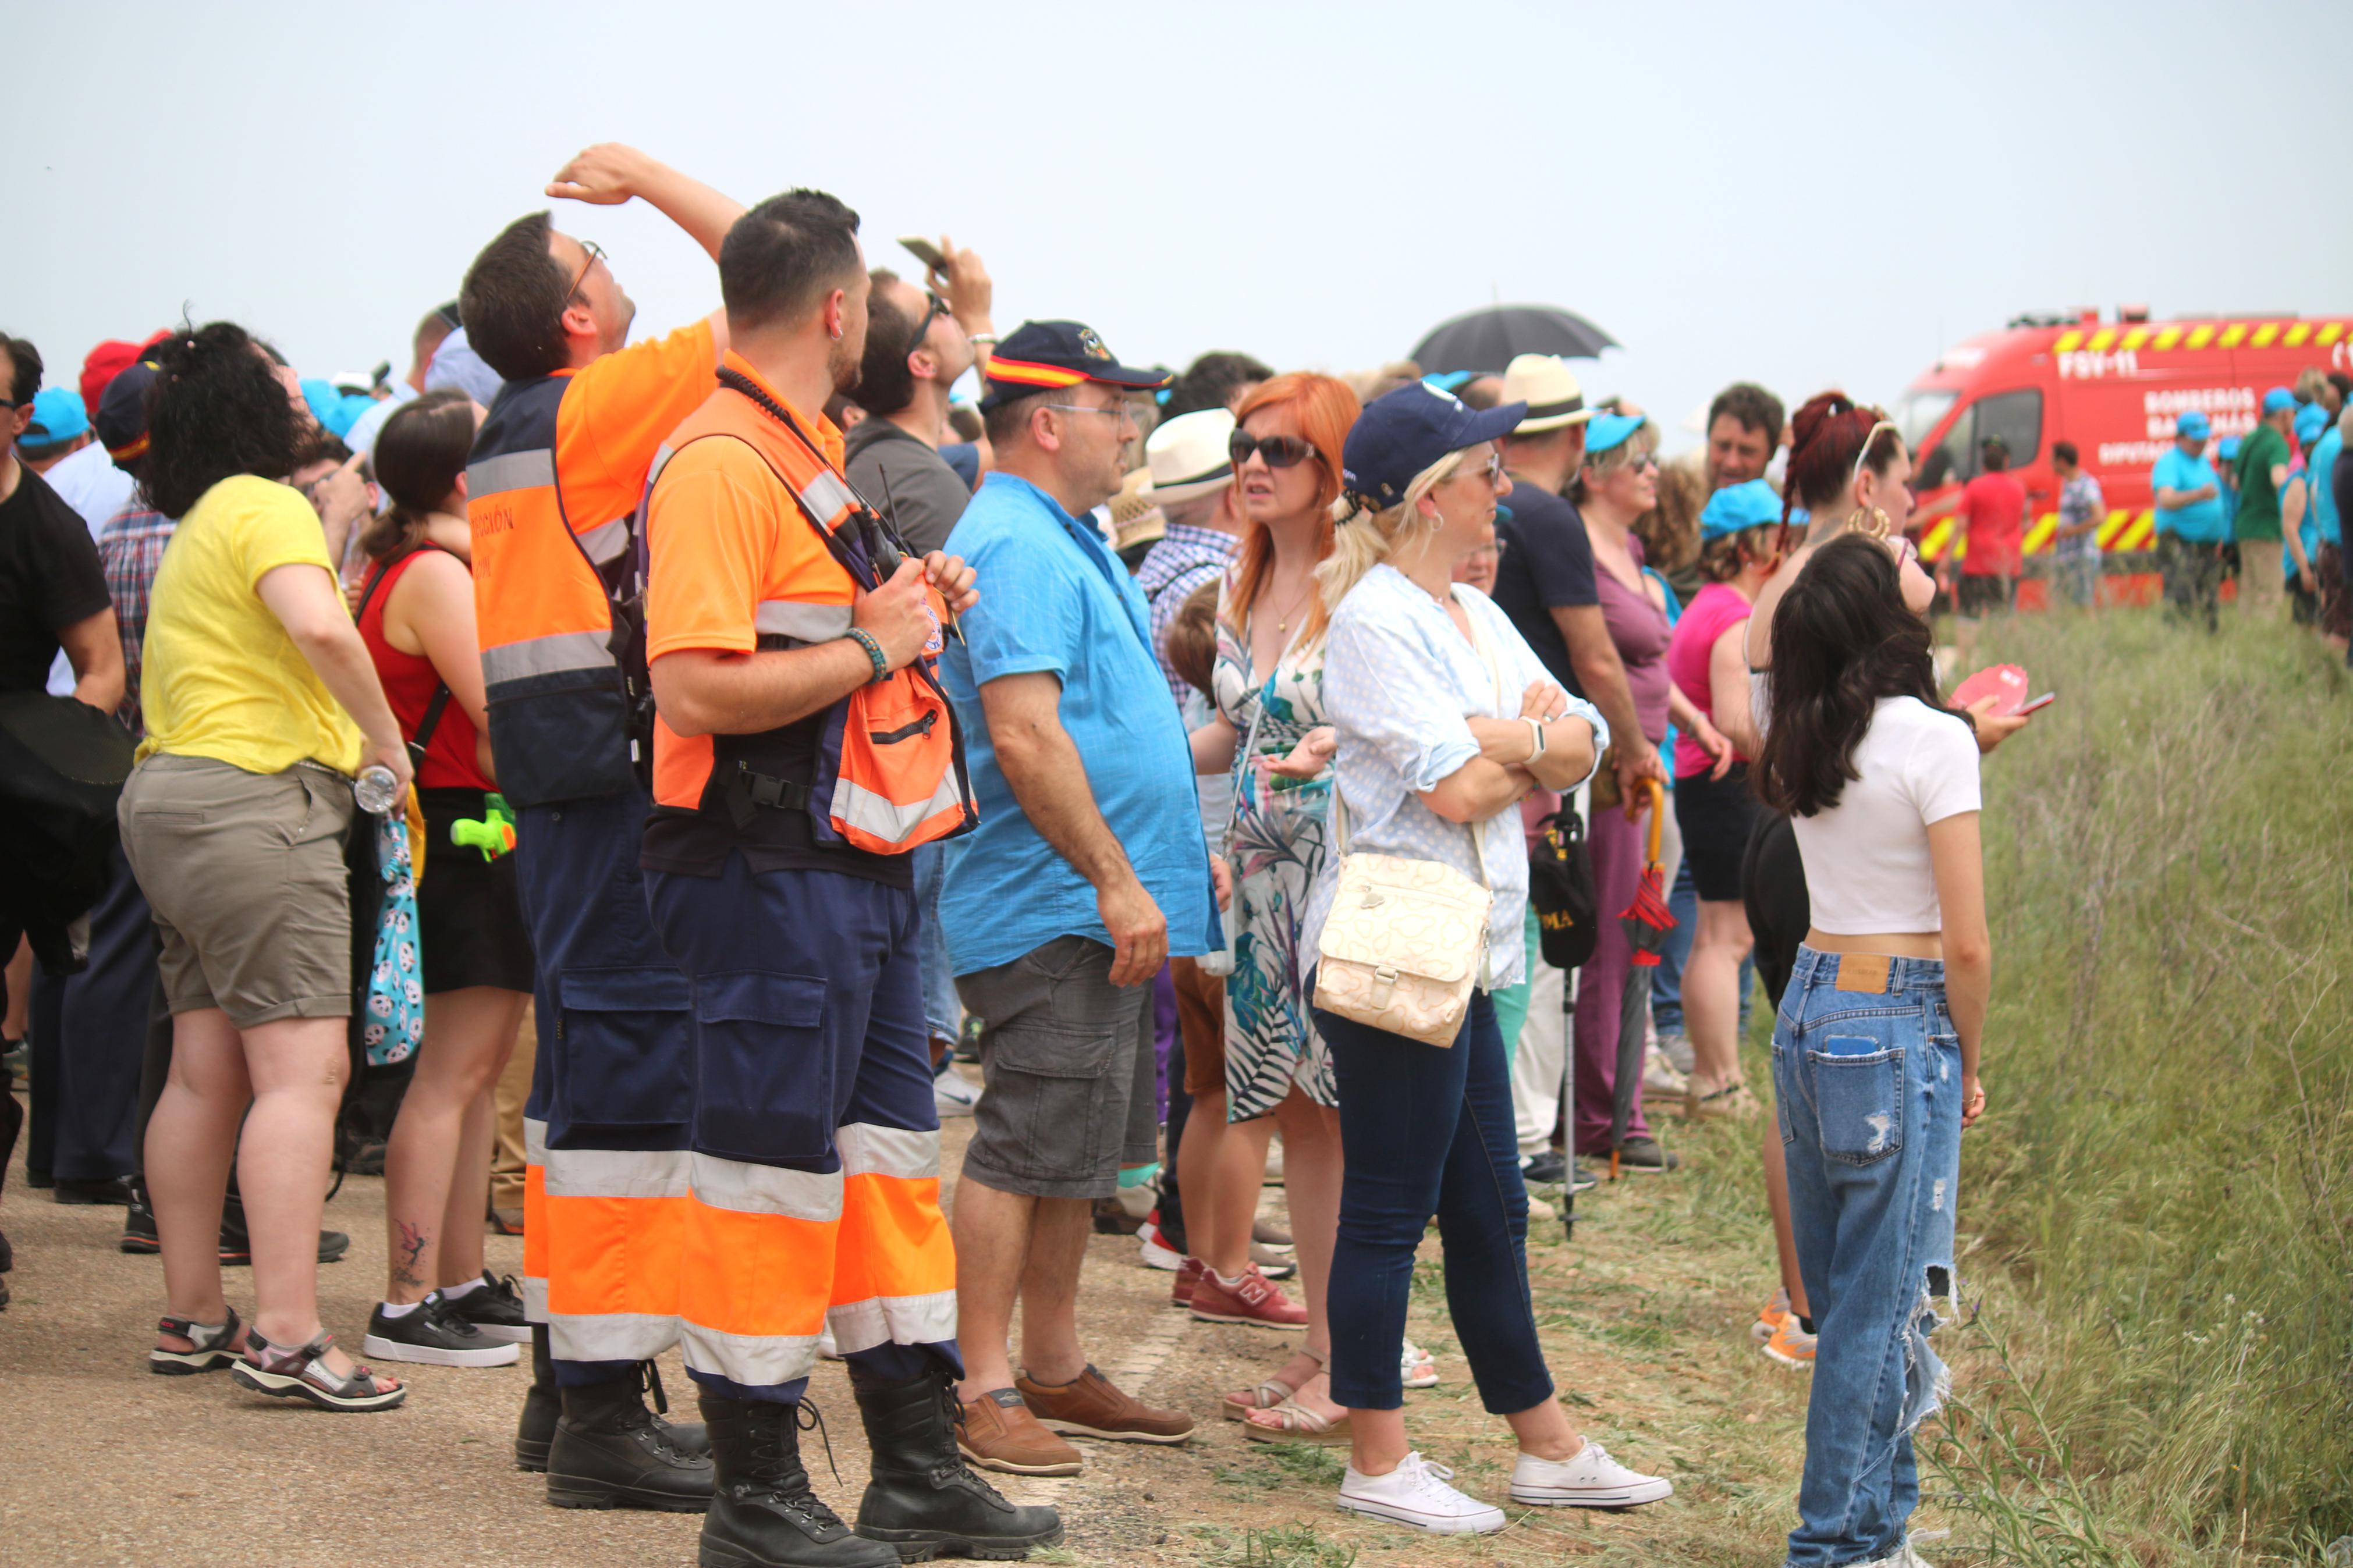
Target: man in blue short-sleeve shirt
1087, 871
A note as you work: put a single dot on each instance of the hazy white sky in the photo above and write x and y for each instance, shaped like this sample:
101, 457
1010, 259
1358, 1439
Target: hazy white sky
1799, 194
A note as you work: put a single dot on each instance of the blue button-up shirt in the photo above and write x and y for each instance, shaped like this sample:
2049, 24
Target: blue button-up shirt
1054, 598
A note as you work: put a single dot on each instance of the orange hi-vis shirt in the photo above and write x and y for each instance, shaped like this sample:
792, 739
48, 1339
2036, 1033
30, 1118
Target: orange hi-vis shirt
735, 566
556, 473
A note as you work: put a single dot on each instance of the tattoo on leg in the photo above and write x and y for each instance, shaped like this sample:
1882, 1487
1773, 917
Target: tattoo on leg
411, 1247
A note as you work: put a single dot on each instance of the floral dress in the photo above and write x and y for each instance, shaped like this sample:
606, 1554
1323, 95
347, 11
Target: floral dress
1278, 845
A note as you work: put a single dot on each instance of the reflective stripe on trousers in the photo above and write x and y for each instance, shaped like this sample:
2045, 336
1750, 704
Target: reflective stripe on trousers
815, 1196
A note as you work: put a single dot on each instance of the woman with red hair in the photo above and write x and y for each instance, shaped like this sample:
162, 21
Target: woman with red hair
1269, 732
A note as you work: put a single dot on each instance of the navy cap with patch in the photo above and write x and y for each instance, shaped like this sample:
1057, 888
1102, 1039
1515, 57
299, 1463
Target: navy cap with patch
1037, 356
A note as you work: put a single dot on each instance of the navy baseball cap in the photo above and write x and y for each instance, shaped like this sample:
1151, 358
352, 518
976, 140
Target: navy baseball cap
1039, 356
1404, 432
123, 412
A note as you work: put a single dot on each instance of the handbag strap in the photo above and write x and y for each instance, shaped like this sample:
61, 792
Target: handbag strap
1249, 742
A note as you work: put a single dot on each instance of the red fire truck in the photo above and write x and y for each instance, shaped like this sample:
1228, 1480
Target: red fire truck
2113, 389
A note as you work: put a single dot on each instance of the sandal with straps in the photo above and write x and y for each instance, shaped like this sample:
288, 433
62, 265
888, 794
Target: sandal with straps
212, 1347
1273, 1393
1415, 1369
1291, 1422
303, 1374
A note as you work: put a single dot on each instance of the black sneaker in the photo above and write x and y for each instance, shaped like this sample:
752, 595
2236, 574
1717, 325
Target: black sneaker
1581, 1180
237, 1249
433, 1334
139, 1227
494, 1308
1548, 1168
103, 1191
1645, 1155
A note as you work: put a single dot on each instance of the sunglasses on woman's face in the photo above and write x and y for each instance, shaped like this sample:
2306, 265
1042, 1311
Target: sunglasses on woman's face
1280, 451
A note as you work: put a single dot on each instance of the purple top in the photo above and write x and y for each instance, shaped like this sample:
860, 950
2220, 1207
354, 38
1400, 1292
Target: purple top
1639, 628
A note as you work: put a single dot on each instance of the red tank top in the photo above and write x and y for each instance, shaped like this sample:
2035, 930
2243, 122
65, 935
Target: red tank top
410, 681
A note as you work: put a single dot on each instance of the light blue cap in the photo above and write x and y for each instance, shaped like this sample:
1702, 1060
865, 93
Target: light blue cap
2277, 398
2229, 449
1605, 431
2193, 425
57, 417
2311, 420
1736, 507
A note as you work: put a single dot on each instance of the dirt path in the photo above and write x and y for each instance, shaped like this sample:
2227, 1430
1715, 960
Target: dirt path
1644, 1317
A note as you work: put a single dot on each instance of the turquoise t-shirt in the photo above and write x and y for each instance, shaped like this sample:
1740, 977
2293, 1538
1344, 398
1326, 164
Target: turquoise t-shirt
1054, 599
2320, 485
2200, 522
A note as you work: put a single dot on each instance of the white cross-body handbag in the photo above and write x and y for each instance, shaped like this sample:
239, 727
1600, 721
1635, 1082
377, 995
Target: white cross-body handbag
1407, 938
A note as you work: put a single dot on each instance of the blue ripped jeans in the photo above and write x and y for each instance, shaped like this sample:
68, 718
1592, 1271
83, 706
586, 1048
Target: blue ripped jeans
1867, 1074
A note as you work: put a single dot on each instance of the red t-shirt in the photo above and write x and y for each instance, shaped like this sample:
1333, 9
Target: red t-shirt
1993, 510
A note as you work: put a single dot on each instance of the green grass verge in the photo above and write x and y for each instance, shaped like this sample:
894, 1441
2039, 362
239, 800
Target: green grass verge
2164, 1179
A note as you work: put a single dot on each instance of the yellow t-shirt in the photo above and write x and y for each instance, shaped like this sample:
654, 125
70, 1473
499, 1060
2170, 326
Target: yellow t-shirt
219, 677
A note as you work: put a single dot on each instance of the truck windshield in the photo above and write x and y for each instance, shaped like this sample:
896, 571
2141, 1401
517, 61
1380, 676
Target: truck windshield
1917, 414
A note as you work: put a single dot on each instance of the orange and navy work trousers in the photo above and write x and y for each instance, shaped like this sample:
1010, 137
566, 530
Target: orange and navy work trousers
814, 1197
605, 1131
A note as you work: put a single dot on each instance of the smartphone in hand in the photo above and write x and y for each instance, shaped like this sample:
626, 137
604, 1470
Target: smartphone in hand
924, 251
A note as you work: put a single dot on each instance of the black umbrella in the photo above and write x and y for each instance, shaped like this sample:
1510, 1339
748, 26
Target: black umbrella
1486, 340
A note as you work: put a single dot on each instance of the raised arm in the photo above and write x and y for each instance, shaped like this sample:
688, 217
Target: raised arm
611, 173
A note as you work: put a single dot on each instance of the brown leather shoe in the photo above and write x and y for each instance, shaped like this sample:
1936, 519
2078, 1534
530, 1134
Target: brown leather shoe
997, 1432
1093, 1408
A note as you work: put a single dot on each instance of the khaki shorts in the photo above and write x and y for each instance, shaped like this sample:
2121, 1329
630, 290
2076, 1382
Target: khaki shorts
1201, 1022
244, 875
1069, 1086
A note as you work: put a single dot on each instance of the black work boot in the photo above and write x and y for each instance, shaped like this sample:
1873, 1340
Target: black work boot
924, 1498
762, 1513
541, 1406
691, 1437
609, 1452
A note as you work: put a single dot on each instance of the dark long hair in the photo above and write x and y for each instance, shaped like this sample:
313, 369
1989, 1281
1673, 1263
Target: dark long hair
216, 410
419, 454
1843, 639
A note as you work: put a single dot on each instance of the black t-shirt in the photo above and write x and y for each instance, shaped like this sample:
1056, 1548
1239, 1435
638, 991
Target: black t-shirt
1547, 564
50, 578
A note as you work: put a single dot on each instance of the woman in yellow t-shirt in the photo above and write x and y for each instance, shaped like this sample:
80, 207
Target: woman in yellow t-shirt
260, 703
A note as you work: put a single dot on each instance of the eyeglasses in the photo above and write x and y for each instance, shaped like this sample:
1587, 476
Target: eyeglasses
932, 311
1117, 411
596, 253
1280, 451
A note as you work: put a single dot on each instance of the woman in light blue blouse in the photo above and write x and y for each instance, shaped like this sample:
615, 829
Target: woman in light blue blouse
1445, 719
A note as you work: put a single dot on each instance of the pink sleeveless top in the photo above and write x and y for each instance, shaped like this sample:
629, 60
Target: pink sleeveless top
1714, 610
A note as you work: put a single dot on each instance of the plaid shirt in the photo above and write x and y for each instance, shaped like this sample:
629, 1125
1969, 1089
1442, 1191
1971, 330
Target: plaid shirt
1185, 558
131, 547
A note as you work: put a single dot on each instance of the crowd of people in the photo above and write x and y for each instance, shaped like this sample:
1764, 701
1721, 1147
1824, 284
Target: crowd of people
770, 728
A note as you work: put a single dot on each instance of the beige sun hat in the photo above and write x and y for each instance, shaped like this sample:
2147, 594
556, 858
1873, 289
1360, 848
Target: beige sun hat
1549, 388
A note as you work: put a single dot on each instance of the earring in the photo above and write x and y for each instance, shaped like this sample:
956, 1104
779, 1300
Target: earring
1875, 522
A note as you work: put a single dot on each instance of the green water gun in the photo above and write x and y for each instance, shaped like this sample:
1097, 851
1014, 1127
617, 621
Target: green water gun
492, 833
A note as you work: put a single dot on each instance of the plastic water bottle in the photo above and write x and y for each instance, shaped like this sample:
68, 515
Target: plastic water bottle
375, 790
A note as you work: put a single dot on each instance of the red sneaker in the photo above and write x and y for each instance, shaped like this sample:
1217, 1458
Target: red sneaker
1253, 1300
1188, 1275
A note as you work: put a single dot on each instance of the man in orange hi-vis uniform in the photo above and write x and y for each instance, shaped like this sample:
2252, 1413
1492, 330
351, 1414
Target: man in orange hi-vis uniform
554, 482
804, 746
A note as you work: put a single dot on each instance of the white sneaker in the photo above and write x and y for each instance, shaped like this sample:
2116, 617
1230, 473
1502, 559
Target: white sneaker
1157, 1253
1586, 1479
1905, 1558
1416, 1493
953, 1094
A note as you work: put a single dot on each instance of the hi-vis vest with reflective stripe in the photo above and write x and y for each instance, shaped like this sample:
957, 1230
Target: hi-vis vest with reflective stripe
545, 588
889, 770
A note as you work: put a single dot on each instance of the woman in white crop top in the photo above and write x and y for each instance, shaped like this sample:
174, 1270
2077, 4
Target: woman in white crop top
1876, 1045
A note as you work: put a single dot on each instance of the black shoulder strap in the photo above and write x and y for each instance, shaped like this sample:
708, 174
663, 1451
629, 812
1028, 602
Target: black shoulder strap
440, 700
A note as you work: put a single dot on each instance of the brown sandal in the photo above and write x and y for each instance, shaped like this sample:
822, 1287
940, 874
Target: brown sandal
303, 1374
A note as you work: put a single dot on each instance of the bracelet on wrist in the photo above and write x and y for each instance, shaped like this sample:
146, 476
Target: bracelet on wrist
1535, 737
990, 339
865, 639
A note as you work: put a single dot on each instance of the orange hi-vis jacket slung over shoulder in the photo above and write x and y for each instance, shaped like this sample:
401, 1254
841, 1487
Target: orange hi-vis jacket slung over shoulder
552, 490
755, 542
